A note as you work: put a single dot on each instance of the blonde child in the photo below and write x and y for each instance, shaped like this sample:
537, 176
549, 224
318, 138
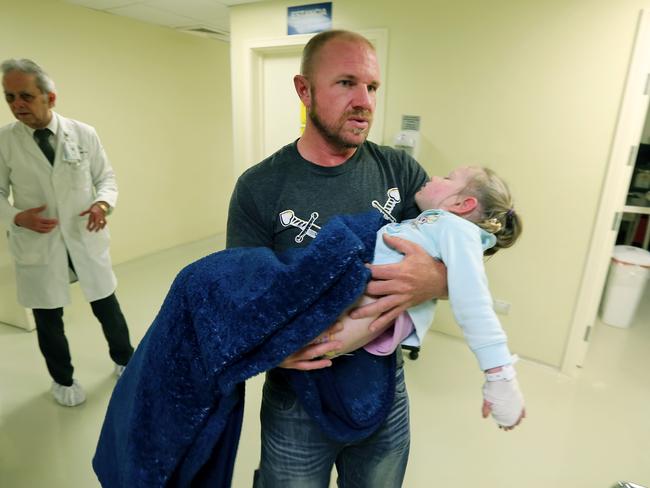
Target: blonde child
466, 215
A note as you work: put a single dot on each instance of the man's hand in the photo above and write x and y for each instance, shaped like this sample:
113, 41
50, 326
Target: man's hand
417, 278
30, 219
312, 355
96, 217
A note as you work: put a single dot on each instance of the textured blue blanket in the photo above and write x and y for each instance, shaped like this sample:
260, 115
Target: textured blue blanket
175, 415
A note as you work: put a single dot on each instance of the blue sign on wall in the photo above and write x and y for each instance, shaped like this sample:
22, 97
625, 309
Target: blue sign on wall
306, 19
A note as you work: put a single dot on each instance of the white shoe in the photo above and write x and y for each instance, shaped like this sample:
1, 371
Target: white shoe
68, 396
119, 369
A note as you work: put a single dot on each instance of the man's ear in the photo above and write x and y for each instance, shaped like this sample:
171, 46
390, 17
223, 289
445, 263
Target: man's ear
303, 89
465, 205
51, 99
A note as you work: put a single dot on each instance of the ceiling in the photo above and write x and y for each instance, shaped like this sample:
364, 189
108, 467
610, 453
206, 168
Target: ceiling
207, 18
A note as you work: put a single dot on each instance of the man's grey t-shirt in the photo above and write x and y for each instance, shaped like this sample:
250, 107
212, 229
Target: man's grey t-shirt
283, 201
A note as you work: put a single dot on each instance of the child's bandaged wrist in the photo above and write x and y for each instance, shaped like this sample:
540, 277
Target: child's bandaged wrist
507, 373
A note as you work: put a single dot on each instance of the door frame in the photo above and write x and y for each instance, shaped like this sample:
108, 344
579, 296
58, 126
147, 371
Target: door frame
255, 50
623, 151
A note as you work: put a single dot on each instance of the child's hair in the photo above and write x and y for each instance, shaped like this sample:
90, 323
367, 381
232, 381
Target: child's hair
497, 213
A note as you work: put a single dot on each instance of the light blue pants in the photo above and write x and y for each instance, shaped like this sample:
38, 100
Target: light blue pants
295, 453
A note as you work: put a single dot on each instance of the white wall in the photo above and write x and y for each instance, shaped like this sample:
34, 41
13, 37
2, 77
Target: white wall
528, 88
160, 101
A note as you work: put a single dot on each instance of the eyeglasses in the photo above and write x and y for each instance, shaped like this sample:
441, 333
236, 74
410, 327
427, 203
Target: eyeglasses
24, 96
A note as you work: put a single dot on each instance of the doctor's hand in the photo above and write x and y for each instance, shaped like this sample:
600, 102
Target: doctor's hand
96, 217
416, 279
30, 219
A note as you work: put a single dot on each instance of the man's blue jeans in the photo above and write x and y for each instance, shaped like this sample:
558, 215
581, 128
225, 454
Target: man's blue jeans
295, 454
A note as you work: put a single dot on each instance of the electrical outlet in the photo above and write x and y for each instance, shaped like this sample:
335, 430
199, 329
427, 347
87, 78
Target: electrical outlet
502, 307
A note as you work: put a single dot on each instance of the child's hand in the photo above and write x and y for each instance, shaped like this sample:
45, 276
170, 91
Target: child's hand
503, 399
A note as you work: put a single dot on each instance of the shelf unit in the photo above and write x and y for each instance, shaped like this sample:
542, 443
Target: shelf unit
636, 210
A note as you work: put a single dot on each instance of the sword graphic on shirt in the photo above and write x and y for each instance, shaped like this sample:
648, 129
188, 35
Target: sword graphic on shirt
309, 227
387, 209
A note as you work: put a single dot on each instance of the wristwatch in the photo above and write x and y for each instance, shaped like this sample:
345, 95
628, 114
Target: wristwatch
104, 206
506, 374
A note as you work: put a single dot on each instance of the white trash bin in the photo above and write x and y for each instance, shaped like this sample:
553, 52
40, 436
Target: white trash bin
628, 274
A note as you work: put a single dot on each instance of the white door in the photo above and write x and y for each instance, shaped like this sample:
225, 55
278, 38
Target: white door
280, 103
629, 127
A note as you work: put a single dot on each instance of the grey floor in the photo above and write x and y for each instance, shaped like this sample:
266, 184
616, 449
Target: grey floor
580, 433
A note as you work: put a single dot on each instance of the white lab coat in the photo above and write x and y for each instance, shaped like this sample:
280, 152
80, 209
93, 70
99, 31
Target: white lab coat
81, 175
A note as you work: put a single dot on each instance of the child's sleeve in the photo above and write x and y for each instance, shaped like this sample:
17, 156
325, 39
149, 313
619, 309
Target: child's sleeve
462, 252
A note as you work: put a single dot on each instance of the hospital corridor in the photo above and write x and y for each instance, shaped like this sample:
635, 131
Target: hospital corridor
137, 134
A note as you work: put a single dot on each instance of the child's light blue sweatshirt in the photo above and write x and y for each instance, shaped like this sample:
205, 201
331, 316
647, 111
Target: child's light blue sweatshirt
459, 244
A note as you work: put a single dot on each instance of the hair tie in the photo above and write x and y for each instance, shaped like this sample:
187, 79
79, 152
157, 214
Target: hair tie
496, 225
510, 212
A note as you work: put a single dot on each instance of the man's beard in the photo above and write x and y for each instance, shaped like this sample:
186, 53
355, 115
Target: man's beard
333, 133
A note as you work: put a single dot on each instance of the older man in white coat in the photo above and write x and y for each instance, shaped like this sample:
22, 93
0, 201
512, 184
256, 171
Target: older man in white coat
63, 188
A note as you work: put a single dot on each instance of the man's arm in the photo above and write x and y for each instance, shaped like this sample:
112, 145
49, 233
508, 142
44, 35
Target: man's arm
415, 279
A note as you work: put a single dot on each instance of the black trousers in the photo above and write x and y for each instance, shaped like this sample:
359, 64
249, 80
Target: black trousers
54, 345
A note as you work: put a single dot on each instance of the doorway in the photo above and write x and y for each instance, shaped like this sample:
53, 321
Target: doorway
623, 153
280, 107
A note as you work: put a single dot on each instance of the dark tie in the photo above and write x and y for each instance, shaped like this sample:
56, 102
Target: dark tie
43, 140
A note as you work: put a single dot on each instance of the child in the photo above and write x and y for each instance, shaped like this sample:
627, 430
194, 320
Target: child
466, 215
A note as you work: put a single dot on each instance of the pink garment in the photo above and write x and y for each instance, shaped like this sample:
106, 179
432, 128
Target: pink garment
392, 337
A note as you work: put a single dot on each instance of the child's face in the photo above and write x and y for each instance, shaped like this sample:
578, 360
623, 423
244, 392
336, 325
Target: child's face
445, 192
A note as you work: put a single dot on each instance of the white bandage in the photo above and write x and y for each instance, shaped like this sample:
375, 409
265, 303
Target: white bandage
506, 400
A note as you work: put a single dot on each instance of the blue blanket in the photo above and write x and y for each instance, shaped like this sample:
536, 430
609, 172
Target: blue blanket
175, 415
